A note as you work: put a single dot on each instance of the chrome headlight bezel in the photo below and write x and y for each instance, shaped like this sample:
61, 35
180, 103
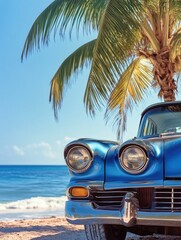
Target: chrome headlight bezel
72, 148
136, 170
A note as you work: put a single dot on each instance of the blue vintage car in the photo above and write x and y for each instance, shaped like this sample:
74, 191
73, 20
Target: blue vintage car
133, 187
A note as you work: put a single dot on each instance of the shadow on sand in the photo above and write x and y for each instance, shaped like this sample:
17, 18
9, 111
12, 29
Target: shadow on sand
67, 233
57, 232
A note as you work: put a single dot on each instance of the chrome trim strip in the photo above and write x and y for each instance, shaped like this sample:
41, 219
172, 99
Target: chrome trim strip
82, 212
167, 198
172, 199
93, 185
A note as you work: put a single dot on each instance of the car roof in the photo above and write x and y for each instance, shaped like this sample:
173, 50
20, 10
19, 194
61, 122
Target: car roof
161, 104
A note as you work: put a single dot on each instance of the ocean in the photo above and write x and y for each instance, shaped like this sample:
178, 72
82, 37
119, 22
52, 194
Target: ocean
32, 191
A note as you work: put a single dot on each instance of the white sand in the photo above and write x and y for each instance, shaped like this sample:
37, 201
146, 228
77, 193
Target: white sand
52, 229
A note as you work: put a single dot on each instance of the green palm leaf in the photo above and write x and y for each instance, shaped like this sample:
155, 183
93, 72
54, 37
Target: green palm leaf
116, 41
176, 46
142, 31
175, 6
129, 90
76, 61
151, 36
60, 14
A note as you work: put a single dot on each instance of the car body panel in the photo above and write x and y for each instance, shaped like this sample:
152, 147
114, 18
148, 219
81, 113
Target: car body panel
99, 149
117, 196
117, 177
172, 157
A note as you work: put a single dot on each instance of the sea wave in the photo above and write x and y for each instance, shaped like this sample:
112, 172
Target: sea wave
35, 203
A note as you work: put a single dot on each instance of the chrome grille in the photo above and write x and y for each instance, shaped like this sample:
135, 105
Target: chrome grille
108, 199
167, 199
152, 199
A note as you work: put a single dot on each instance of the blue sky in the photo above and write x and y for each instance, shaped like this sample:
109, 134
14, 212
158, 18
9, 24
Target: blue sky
29, 132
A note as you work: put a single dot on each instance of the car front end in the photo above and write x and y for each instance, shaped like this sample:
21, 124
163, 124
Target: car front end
136, 185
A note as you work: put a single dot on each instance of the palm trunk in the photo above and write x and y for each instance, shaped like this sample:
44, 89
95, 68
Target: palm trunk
164, 75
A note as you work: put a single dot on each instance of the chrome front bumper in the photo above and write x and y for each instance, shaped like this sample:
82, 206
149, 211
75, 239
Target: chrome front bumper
82, 212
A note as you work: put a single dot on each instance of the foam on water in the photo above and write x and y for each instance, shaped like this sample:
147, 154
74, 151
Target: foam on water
32, 191
36, 203
36, 207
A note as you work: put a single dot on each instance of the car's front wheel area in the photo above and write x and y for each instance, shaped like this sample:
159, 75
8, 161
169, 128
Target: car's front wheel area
105, 232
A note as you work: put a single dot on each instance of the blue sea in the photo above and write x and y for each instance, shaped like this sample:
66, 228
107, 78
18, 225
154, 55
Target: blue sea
32, 191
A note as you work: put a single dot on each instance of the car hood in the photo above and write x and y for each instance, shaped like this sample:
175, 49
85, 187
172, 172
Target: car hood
164, 163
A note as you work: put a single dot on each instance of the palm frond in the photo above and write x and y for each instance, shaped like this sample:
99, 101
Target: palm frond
175, 6
116, 40
151, 5
61, 80
130, 90
175, 46
151, 36
166, 18
119, 123
60, 15
152, 12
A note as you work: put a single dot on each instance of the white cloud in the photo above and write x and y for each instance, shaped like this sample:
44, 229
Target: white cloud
18, 150
38, 145
42, 149
38, 150
68, 139
58, 142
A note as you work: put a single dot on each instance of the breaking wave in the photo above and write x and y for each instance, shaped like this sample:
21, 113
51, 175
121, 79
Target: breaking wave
35, 203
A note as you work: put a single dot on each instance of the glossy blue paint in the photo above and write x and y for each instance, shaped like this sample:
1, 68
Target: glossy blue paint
172, 157
117, 177
172, 183
105, 173
99, 150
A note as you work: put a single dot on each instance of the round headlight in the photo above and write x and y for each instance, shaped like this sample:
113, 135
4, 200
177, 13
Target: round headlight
133, 159
78, 159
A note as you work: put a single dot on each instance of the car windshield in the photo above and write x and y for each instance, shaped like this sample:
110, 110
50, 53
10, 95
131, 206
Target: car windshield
163, 120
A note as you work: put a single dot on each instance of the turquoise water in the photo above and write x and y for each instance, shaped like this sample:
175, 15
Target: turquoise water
27, 191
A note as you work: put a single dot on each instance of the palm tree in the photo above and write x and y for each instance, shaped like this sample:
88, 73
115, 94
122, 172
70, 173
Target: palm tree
138, 47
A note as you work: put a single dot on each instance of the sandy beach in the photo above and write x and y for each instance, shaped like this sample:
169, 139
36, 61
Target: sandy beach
40, 229
52, 229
